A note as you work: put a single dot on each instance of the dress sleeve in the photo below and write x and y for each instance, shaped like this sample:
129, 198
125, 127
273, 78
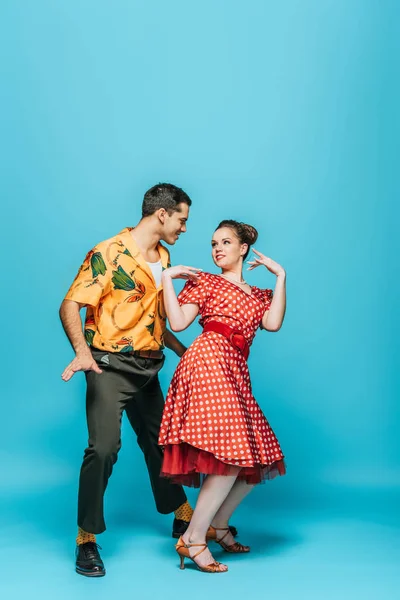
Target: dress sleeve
93, 279
266, 296
194, 292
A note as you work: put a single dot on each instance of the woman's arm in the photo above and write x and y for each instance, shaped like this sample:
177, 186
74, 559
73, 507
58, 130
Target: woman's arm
273, 318
180, 317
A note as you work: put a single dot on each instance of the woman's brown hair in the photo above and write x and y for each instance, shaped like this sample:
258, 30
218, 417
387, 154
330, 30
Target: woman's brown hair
247, 234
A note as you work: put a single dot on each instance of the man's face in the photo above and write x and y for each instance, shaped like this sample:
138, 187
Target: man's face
175, 224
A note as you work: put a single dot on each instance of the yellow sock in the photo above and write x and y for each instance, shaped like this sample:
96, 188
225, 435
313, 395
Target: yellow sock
84, 536
184, 512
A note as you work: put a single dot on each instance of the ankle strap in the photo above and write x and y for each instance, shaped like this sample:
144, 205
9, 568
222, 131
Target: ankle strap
204, 546
226, 529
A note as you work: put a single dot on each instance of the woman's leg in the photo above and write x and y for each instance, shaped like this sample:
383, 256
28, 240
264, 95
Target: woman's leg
212, 495
237, 493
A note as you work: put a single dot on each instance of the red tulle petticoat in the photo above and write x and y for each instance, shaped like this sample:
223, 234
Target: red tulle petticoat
187, 465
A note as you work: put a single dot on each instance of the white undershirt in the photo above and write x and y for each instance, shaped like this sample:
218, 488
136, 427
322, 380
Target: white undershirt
156, 269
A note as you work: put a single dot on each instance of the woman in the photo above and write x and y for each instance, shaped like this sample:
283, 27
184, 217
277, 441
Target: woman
212, 425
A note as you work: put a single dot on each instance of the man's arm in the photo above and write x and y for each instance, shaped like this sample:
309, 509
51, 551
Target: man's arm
71, 321
172, 342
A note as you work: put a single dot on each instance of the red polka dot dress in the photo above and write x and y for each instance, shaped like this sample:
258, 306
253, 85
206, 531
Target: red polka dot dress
211, 420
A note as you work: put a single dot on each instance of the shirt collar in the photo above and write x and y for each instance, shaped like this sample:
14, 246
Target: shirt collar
131, 246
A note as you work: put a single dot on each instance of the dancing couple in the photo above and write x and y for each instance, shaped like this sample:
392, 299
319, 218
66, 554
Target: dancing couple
211, 431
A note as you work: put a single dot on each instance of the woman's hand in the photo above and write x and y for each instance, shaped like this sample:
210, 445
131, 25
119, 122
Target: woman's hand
182, 272
261, 259
179, 317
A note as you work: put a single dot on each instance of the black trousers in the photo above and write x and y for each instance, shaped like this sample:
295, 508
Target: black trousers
129, 384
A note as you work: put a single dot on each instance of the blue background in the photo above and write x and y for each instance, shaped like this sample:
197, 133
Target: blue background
283, 115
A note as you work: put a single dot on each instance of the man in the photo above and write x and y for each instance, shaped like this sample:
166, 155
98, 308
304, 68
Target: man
119, 283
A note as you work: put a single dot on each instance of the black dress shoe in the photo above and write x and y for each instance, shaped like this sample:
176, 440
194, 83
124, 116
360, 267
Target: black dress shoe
179, 527
88, 560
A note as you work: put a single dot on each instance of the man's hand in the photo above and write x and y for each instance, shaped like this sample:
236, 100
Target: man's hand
181, 351
82, 362
172, 342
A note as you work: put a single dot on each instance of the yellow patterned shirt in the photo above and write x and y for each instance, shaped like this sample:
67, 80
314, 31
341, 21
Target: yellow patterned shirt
125, 310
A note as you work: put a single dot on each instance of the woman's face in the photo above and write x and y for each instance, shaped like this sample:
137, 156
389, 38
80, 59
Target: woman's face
227, 251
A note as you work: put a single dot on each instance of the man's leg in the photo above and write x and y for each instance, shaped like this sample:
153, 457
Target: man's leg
105, 401
144, 412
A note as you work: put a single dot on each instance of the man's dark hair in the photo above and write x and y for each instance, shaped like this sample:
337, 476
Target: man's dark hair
163, 195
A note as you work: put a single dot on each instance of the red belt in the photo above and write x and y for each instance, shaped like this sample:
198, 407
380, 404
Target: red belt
234, 336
